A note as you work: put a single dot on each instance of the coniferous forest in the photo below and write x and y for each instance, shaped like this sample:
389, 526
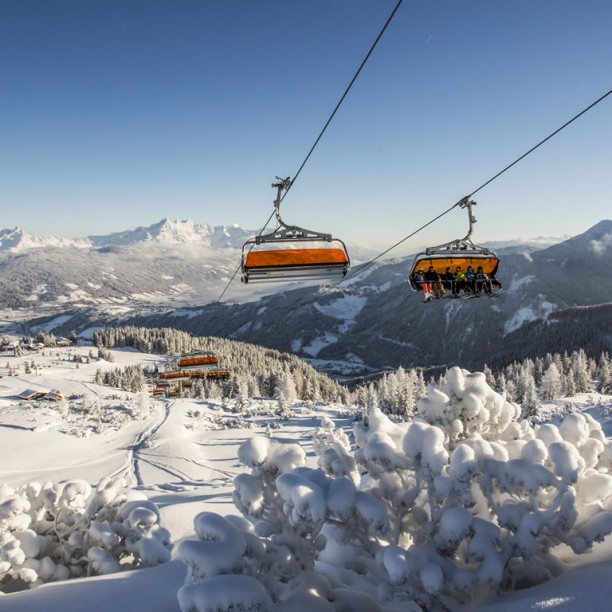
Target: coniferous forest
262, 372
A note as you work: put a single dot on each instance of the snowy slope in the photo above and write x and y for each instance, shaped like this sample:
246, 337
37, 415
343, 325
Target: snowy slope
170, 263
377, 320
182, 454
17, 240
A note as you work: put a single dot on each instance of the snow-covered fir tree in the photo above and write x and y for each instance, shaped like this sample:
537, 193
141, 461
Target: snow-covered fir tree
431, 512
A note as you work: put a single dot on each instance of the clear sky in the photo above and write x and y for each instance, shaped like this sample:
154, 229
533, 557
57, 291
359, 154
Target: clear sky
117, 113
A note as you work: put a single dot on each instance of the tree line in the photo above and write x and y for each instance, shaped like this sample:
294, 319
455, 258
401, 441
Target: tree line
527, 382
262, 372
256, 371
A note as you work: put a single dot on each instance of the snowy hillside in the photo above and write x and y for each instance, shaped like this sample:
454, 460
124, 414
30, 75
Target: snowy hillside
170, 231
17, 241
161, 276
375, 321
195, 461
168, 264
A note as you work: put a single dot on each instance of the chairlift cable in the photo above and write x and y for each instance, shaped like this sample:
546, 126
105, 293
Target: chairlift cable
361, 268
238, 268
363, 63
346, 91
516, 161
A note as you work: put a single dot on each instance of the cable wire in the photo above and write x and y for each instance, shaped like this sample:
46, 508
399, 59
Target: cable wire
516, 161
362, 267
363, 63
316, 142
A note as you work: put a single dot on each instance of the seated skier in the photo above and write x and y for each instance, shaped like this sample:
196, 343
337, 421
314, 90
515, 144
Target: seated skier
436, 282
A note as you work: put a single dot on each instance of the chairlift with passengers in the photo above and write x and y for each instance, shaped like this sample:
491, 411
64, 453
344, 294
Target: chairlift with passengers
461, 252
292, 253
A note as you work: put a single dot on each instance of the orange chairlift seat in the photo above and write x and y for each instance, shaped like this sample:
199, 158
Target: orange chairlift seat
293, 253
168, 375
218, 374
461, 252
197, 360
208, 374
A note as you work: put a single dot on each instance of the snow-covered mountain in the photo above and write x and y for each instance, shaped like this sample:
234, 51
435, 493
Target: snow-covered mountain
170, 262
163, 263
531, 244
169, 231
555, 299
17, 240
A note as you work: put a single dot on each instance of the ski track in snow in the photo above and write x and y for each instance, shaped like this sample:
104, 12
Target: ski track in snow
82, 465
174, 472
139, 457
143, 438
227, 475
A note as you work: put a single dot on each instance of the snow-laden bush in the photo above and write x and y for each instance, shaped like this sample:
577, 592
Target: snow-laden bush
441, 510
56, 531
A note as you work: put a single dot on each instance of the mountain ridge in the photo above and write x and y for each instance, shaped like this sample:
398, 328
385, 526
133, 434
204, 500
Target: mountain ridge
374, 321
186, 231
165, 231
168, 262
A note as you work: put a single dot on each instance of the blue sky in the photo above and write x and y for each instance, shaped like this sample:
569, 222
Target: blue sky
117, 113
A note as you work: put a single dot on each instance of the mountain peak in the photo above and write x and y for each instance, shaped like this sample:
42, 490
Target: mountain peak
597, 239
17, 240
166, 231
174, 231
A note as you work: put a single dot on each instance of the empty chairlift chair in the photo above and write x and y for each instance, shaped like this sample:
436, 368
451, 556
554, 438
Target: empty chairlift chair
198, 359
293, 253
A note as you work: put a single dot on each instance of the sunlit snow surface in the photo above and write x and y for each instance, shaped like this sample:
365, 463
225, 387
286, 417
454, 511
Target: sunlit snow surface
523, 315
343, 307
346, 307
183, 456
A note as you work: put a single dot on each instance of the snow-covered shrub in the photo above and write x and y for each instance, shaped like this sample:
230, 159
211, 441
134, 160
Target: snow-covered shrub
227, 592
441, 510
332, 448
56, 531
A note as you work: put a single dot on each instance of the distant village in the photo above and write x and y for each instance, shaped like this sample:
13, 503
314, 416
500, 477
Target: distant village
19, 346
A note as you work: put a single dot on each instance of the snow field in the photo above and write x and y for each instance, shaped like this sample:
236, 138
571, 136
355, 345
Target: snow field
445, 508
440, 510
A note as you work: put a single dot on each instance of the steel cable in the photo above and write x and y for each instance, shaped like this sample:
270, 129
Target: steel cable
316, 142
362, 267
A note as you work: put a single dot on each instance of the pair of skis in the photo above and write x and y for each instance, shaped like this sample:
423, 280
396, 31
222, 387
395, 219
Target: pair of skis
467, 296
482, 294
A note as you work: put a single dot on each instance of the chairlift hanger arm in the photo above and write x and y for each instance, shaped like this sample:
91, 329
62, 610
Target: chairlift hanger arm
282, 187
284, 232
467, 203
461, 244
